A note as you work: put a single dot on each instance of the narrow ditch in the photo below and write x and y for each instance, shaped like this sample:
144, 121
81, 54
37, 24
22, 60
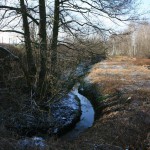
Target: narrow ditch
86, 119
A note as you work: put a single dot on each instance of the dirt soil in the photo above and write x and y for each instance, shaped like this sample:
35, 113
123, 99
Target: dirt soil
124, 122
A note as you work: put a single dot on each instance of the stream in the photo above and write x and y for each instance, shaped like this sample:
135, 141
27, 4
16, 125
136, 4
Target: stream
86, 119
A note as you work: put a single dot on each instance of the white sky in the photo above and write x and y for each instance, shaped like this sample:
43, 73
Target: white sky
13, 38
8, 38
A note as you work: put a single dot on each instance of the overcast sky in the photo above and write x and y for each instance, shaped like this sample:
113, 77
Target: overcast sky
144, 7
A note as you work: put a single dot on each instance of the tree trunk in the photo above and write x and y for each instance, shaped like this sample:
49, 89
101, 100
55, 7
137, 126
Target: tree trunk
43, 47
30, 59
55, 38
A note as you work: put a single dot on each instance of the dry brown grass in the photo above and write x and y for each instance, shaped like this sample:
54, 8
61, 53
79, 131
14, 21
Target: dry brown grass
140, 61
113, 75
125, 120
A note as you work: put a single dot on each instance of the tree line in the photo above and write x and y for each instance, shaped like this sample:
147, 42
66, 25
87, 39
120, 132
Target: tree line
134, 41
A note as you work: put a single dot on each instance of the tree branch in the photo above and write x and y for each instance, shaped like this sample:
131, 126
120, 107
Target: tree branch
14, 31
19, 10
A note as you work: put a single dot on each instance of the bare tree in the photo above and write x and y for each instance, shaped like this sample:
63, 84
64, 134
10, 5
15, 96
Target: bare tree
30, 59
134, 41
142, 38
43, 46
84, 18
55, 37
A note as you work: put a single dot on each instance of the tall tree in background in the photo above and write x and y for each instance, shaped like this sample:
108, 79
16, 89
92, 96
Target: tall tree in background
134, 41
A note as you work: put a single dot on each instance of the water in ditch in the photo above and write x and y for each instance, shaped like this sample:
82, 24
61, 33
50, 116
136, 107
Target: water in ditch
86, 119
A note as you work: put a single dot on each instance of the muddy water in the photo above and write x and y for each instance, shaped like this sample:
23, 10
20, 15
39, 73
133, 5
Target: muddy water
86, 119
